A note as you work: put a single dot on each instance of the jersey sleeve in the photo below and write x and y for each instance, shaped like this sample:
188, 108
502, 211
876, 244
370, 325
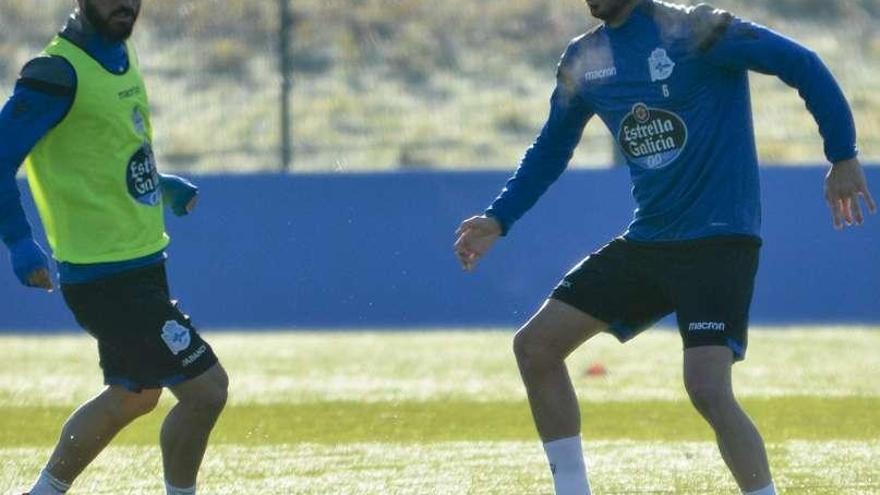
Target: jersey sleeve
551, 151
41, 98
735, 44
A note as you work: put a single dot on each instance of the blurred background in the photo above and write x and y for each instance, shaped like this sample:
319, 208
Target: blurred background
386, 85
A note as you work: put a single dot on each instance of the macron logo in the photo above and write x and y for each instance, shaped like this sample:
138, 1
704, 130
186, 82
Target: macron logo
712, 326
595, 75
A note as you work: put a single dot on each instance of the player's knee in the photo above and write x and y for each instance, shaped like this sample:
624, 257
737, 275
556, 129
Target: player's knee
129, 405
211, 396
213, 399
711, 400
531, 352
214, 403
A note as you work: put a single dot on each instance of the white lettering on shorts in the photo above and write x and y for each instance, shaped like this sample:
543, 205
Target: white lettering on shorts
708, 326
192, 357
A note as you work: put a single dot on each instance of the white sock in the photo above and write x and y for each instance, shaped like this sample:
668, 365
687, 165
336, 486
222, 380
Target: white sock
173, 490
566, 457
767, 490
47, 484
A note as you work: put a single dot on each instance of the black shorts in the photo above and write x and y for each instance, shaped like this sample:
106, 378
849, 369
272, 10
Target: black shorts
144, 340
708, 283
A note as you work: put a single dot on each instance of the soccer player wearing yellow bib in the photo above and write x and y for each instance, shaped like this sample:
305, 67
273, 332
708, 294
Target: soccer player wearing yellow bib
79, 118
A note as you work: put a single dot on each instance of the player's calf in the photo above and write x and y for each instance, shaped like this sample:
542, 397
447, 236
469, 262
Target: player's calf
186, 429
88, 430
707, 376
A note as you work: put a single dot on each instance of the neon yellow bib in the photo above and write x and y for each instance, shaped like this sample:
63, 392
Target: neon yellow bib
93, 176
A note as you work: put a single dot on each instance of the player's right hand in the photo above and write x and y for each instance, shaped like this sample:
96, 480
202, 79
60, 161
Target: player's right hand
476, 235
30, 264
844, 185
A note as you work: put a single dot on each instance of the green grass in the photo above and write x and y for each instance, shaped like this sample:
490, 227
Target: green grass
808, 418
444, 413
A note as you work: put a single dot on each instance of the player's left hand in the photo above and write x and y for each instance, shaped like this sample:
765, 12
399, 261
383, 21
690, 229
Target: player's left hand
844, 184
180, 194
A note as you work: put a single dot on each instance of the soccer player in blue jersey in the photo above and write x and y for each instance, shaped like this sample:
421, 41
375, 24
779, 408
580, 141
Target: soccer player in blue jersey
79, 116
671, 84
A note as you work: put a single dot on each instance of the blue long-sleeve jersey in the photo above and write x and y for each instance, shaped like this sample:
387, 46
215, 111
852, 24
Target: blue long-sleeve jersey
42, 96
671, 84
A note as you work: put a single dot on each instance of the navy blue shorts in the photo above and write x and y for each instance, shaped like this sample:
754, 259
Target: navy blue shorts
144, 340
708, 283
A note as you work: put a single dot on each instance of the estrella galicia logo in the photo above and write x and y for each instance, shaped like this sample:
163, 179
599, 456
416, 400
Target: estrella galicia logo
652, 138
142, 176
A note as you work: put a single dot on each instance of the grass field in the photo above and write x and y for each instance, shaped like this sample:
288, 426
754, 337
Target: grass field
443, 412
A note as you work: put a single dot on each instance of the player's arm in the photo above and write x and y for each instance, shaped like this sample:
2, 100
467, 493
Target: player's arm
542, 164
42, 96
732, 43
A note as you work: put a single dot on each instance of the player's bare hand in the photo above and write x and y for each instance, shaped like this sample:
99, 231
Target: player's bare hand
30, 264
844, 185
192, 204
41, 279
476, 235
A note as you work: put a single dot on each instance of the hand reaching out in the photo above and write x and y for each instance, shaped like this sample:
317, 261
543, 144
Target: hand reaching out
476, 235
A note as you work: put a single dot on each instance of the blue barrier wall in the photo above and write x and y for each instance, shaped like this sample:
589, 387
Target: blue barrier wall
376, 250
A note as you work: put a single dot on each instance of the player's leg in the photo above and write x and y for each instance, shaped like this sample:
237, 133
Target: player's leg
712, 283
88, 430
707, 378
181, 360
146, 342
105, 309
186, 429
541, 347
606, 287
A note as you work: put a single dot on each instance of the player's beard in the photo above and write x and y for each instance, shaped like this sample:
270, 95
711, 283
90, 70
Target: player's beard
108, 28
606, 10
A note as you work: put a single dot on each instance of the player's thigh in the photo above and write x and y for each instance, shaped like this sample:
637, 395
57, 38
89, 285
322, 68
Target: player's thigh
555, 331
708, 367
713, 286
707, 378
618, 286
